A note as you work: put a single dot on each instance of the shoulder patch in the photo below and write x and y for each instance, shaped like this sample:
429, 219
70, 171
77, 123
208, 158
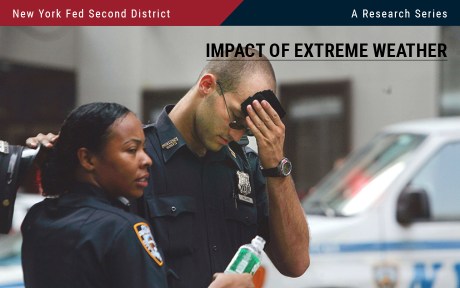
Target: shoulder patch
146, 237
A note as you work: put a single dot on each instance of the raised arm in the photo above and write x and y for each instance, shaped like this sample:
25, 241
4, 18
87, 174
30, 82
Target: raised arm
288, 247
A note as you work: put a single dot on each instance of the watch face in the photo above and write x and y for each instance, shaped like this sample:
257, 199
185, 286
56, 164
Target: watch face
286, 167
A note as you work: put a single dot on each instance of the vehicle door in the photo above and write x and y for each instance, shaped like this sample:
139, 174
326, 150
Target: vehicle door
424, 249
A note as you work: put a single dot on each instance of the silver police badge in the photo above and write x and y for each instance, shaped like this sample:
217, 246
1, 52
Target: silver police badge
244, 187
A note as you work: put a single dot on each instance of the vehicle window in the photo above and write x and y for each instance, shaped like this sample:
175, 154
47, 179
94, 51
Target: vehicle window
440, 178
364, 176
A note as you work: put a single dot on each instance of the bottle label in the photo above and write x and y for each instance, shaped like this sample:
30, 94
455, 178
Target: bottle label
245, 261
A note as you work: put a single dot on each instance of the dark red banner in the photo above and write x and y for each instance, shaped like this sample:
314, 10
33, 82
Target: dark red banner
115, 12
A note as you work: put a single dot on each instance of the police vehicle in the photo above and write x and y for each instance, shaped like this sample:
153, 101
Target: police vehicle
389, 216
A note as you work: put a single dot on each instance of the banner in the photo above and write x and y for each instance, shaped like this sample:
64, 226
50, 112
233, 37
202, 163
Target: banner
228, 12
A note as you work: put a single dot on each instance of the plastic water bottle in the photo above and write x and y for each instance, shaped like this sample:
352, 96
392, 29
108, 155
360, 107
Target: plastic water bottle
247, 258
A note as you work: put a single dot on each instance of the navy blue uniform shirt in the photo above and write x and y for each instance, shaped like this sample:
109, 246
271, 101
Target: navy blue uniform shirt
202, 209
82, 240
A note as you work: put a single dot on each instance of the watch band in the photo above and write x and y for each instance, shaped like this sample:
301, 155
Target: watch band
271, 172
282, 170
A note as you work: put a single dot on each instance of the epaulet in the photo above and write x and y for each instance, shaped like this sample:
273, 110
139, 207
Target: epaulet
249, 150
244, 144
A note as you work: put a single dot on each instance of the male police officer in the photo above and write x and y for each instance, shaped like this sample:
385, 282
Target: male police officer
207, 196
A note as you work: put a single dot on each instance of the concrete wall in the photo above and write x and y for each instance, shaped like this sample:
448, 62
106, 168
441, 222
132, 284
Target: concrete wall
117, 63
47, 46
110, 65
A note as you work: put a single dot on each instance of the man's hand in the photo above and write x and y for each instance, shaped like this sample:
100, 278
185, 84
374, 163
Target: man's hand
289, 235
222, 280
269, 131
47, 140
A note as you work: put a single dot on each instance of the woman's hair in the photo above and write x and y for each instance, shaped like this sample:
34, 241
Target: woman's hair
86, 126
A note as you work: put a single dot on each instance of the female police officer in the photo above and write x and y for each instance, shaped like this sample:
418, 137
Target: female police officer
82, 236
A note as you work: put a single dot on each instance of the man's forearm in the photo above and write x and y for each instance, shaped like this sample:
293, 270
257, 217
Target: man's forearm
289, 236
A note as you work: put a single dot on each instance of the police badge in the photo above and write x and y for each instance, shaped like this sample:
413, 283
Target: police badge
244, 187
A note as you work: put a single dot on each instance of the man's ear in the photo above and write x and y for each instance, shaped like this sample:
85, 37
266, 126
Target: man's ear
86, 159
207, 84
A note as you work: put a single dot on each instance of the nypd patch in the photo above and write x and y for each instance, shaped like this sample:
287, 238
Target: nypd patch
145, 236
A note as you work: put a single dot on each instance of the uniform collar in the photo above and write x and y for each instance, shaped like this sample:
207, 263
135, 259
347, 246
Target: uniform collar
172, 141
170, 138
233, 155
82, 189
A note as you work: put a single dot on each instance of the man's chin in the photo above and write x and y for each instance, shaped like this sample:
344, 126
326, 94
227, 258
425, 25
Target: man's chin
215, 147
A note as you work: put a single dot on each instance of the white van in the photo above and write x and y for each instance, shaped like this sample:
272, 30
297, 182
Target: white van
389, 216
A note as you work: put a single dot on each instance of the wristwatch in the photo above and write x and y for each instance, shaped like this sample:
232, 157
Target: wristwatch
283, 169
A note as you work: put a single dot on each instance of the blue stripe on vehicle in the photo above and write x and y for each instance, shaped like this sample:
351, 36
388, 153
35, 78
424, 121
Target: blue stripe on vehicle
383, 247
12, 285
13, 260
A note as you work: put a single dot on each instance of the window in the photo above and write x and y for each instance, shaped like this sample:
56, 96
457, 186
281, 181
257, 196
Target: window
450, 86
153, 102
318, 128
364, 176
441, 181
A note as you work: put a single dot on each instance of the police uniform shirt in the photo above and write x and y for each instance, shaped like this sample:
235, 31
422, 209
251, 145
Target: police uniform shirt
82, 240
202, 209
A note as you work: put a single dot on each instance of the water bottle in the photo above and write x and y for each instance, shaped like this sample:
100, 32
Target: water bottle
247, 258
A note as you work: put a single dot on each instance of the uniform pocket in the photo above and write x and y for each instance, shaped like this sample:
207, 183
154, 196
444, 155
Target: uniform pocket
174, 219
242, 219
